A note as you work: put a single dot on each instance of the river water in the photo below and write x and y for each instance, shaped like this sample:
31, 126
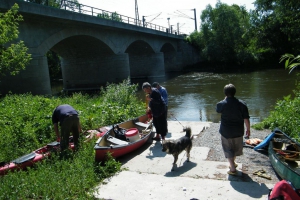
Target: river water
193, 96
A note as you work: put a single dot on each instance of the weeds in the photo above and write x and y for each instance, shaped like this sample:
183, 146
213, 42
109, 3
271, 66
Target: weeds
26, 125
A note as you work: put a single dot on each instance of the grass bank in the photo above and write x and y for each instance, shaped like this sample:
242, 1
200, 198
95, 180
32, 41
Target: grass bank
26, 125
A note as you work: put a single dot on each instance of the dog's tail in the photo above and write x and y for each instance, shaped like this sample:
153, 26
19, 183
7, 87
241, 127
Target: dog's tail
196, 135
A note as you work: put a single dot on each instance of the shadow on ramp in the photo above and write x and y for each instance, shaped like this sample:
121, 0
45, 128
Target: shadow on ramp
256, 190
124, 159
150, 150
156, 150
186, 166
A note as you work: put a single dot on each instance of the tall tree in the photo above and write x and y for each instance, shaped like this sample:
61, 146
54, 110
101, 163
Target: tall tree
224, 34
13, 56
276, 26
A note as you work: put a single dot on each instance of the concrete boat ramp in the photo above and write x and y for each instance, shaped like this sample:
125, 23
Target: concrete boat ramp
147, 175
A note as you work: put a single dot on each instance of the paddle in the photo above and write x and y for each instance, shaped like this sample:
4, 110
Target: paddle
150, 123
287, 151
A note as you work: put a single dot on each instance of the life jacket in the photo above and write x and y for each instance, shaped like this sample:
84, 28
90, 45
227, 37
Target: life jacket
284, 190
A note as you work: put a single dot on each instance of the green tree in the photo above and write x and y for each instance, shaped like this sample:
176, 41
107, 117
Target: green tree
223, 37
13, 56
112, 16
72, 5
275, 25
54, 65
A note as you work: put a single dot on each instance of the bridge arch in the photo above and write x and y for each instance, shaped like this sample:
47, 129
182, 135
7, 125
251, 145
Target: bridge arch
84, 61
144, 61
170, 57
54, 39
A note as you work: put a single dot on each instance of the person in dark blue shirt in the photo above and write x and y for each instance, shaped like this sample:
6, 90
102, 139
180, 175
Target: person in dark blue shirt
164, 94
67, 118
158, 108
234, 114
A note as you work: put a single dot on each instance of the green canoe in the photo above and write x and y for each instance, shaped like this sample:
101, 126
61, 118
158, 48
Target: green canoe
284, 154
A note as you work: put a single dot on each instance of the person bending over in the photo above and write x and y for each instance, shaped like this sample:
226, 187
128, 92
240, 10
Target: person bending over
67, 118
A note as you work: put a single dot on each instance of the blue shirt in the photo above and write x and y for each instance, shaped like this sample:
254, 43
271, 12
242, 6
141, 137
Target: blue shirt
164, 94
157, 103
61, 112
233, 112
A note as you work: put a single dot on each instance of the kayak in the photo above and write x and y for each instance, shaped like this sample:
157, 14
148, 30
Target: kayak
30, 159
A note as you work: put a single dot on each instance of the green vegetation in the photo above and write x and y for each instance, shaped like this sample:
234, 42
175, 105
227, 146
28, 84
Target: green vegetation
291, 62
223, 37
54, 65
70, 4
232, 38
26, 125
13, 56
112, 16
286, 116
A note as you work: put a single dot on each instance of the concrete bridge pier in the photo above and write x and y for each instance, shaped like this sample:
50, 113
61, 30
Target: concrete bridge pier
35, 76
170, 60
147, 65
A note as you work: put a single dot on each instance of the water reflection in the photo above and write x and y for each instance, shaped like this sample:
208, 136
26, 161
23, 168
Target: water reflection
193, 96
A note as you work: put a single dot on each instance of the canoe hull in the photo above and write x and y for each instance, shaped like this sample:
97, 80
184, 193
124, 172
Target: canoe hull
28, 160
119, 148
287, 169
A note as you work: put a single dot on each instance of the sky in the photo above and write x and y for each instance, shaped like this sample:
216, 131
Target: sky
179, 12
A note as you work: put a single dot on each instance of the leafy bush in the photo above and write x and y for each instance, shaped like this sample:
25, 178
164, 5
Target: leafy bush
285, 116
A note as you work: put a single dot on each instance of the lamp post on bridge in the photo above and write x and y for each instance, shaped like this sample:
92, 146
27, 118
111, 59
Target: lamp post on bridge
144, 21
168, 23
195, 19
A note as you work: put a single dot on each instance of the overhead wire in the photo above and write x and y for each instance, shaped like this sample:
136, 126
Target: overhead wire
120, 5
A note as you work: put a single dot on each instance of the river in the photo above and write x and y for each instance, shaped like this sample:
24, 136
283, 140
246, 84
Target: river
193, 96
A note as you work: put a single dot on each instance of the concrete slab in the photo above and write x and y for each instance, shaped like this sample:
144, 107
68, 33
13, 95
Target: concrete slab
130, 185
147, 175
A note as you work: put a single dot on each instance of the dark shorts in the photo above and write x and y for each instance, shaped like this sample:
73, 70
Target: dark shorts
69, 125
232, 147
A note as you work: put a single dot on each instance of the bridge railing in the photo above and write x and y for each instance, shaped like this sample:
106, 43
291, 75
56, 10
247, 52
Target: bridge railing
104, 14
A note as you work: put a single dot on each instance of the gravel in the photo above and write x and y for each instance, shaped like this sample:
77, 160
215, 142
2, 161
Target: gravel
251, 160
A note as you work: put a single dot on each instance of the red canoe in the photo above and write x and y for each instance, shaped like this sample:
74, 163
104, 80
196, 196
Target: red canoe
30, 159
137, 132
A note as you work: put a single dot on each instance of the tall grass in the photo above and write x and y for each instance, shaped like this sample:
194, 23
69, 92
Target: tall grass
26, 125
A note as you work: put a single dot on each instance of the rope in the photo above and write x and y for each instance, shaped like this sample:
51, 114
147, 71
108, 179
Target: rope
177, 120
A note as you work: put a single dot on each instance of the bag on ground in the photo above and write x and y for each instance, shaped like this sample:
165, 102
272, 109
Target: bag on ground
284, 190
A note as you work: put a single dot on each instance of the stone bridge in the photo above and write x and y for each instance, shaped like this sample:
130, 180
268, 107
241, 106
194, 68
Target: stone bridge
93, 50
